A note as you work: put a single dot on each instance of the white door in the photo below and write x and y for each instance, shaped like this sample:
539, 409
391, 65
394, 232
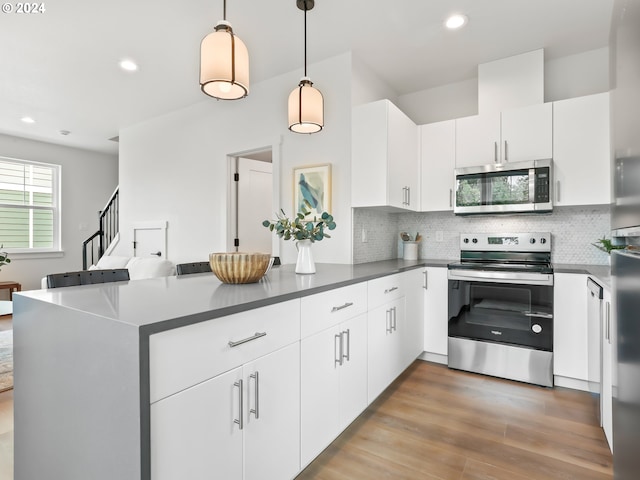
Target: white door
150, 239
272, 415
193, 433
255, 187
353, 373
436, 316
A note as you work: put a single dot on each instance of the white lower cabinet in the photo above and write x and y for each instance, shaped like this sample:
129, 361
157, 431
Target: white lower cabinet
607, 367
436, 315
386, 361
245, 420
333, 367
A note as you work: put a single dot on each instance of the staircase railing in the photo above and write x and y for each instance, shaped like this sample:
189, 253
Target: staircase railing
108, 227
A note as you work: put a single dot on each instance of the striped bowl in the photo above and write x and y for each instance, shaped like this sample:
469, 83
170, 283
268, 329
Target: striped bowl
238, 267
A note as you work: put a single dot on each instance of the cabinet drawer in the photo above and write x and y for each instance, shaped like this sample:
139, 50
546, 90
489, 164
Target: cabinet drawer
384, 289
183, 357
326, 309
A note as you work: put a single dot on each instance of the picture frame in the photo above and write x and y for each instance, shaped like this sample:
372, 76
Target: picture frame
312, 183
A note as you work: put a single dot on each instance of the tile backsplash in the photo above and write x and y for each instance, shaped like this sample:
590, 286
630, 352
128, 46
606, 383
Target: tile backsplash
573, 229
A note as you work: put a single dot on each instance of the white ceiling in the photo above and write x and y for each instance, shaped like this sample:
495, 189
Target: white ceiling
61, 66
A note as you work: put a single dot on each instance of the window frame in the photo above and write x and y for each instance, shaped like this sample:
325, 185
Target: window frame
56, 209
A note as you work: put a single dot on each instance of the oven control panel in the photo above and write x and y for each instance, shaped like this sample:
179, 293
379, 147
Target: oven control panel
506, 242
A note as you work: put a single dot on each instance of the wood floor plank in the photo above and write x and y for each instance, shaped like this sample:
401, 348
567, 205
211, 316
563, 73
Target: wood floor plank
434, 422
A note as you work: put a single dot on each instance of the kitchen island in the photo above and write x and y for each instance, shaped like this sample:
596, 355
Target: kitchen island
102, 370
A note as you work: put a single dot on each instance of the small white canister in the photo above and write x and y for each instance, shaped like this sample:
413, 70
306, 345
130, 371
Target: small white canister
410, 250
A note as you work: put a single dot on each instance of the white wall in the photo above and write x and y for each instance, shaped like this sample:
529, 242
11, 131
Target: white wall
175, 167
566, 77
88, 179
366, 86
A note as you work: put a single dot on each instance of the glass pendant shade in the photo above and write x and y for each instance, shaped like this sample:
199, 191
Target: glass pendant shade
306, 108
224, 64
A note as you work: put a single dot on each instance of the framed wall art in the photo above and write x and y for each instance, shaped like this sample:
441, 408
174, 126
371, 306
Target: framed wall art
313, 184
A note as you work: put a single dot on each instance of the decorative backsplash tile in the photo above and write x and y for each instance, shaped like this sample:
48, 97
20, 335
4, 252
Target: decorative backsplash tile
573, 229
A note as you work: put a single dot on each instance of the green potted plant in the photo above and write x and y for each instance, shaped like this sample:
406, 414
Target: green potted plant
4, 257
304, 229
606, 245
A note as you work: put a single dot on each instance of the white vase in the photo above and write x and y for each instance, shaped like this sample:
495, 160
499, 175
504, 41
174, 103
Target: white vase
305, 264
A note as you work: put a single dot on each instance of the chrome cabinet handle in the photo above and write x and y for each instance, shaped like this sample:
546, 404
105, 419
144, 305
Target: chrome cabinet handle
346, 305
538, 314
347, 333
495, 152
337, 355
426, 279
256, 410
557, 190
394, 325
239, 421
404, 195
506, 152
450, 198
408, 196
389, 290
608, 320
387, 321
248, 339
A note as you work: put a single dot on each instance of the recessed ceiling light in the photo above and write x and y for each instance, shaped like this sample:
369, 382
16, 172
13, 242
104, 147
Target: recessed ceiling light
128, 65
28, 120
456, 21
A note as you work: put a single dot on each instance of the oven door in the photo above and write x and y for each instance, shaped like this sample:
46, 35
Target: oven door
507, 313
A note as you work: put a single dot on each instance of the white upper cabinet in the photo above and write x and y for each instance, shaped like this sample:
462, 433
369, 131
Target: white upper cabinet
581, 150
384, 157
513, 135
437, 161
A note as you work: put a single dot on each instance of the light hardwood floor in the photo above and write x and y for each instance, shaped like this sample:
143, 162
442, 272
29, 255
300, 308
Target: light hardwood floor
435, 423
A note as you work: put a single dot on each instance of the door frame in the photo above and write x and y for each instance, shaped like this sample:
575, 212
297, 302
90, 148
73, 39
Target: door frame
276, 150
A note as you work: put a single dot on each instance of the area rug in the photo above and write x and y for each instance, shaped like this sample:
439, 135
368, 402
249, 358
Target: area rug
6, 360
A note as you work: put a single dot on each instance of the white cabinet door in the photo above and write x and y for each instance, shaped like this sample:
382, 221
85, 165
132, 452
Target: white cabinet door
526, 133
413, 331
436, 316
272, 415
385, 164
570, 333
478, 140
384, 346
437, 162
581, 150
319, 392
193, 433
607, 369
403, 162
353, 372
515, 135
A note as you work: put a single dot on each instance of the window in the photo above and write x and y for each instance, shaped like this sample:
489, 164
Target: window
29, 205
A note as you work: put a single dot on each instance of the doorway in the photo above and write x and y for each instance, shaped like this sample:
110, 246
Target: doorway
252, 197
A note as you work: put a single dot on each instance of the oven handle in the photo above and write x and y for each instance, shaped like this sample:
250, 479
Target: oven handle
538, 314
523, 278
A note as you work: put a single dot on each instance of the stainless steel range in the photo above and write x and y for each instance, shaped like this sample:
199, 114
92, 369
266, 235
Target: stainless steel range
501, 306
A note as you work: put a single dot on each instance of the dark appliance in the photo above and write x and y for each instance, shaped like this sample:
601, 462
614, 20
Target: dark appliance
505, 188
501, 307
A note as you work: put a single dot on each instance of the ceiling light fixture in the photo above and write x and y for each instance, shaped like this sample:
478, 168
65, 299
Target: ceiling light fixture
28, 120
306, 105
456, 21
224, 63
128, 65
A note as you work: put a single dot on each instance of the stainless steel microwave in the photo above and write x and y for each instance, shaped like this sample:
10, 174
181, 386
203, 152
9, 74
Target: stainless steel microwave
505, 188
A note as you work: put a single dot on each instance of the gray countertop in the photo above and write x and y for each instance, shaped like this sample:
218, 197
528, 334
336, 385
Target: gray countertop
599, 272
158, 304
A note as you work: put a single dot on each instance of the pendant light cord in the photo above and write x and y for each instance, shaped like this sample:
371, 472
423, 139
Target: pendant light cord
224, 10
305, 38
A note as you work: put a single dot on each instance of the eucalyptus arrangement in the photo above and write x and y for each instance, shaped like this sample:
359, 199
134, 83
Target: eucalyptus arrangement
4, 258
303, 226
605, 244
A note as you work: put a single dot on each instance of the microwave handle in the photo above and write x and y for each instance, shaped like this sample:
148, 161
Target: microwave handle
495, 152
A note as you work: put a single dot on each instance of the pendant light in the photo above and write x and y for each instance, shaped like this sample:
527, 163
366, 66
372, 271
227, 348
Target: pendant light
306, 105
224, 63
